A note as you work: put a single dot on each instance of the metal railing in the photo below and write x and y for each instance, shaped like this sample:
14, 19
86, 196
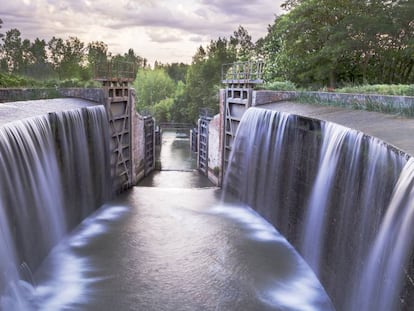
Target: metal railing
113, 70
245, 72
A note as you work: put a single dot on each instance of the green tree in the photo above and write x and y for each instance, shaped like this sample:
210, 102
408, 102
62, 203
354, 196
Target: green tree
176, 71
12, 50
204, 78
241, 45
330, 42
67, 57
152, 86
1, 25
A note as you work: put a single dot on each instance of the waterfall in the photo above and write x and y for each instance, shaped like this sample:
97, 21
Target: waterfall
315, 221
343, 199
54, 172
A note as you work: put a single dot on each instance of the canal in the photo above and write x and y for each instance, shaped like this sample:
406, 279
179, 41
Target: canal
171, 243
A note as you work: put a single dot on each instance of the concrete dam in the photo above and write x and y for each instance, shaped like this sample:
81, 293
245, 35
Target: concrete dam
342, 198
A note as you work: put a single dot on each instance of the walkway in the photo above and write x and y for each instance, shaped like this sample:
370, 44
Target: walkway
25, 109
395, 130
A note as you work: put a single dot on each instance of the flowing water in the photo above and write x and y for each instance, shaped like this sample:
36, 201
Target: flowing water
347, 206
172, 246
172, 243
37, 158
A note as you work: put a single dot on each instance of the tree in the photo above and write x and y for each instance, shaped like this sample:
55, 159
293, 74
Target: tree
330, 42
67, 57
204, 78
242, 45
57, 51
1, 25
152, 86
12, 50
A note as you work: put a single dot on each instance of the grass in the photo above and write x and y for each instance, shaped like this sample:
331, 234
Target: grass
382, 89
16, 81
378, 89
368, 105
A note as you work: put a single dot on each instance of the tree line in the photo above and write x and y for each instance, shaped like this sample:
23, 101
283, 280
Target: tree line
314, 44
57, 58
331, 42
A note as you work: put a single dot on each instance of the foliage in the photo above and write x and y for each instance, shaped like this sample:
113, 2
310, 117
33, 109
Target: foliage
280, 86
384, 89
8, 80
71, 61
152, 86
176, 71
330, 42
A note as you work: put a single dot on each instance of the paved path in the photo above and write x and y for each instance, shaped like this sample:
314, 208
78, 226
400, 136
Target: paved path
395, 130
13, 111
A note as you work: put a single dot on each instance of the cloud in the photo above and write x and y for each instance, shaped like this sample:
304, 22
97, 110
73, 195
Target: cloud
148, 26
162, 35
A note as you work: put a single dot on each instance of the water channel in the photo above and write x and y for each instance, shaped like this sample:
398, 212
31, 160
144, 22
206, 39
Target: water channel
170, 243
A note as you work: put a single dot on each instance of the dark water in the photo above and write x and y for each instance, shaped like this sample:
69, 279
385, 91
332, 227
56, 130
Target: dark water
175, 153
176, 246
176, 249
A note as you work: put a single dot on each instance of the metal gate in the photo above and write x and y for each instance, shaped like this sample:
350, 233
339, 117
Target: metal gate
203, 144
149, 131
240, 79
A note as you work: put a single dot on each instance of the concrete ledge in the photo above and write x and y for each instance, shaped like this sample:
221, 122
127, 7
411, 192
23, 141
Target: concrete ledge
21, 94
402, 105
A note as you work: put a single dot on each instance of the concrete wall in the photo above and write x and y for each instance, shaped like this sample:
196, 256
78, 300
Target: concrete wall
19, 94
96, 95
215, 149
398, 104
137, 143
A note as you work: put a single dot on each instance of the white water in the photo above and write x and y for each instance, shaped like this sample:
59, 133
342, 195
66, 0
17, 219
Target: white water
352, 222
384, 271
314, 227
35, 208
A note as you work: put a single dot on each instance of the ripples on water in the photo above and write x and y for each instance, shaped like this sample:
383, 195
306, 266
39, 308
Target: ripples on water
176, 249
175, 246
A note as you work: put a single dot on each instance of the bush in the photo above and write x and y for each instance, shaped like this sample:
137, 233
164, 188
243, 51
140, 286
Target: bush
382, 89
11, 81
280, 86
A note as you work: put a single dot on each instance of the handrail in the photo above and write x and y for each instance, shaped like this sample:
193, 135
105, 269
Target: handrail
115, 70
242, 72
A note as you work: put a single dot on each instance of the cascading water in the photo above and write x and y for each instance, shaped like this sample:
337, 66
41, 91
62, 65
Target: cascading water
389, 255
315, 219
333, 193
43, 159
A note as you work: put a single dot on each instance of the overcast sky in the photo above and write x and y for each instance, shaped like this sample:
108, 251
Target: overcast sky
167, 31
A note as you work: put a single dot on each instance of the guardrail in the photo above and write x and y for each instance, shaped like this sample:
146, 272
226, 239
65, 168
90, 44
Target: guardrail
113, 70
242, 72
172, 125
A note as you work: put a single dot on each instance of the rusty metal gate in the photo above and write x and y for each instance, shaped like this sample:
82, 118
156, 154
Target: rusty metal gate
149, 130
240, 79
203, 144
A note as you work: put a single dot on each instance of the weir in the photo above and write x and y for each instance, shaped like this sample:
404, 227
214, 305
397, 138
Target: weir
342, 198
55, 171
